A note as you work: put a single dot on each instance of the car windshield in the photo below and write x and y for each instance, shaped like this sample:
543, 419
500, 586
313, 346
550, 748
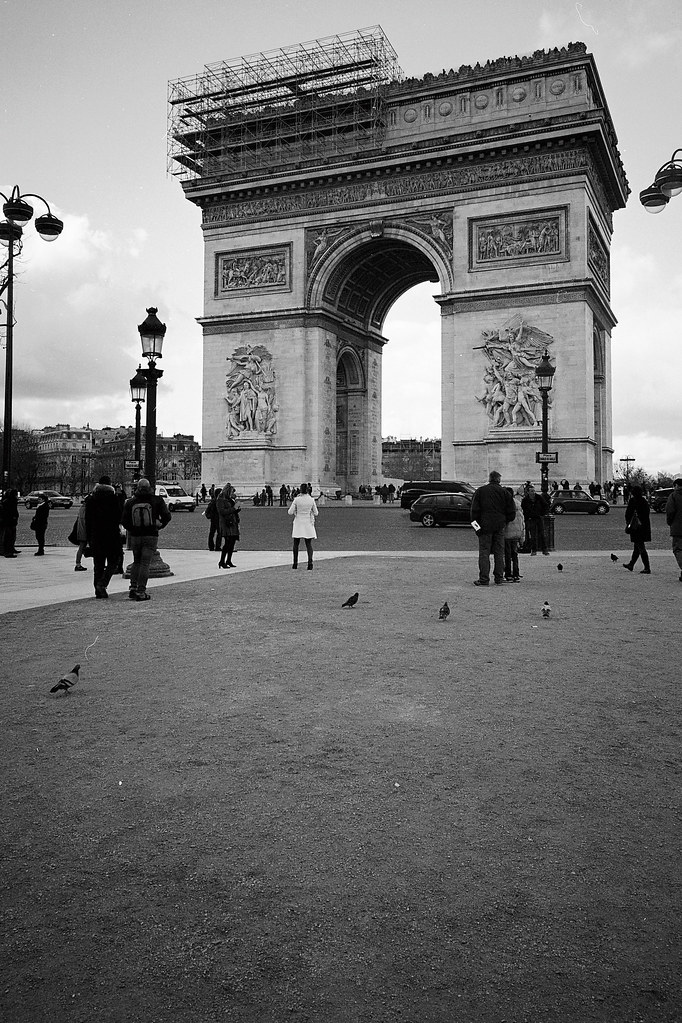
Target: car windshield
175, 492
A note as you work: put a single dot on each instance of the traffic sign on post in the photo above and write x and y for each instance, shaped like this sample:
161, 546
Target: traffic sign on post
546, 456
133, 463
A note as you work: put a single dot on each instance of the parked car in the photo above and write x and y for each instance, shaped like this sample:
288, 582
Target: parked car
55, 499
659, 498
414, 489
442, 509
175, 497
572, 501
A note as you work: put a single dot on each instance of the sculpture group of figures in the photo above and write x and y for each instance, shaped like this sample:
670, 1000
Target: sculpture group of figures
512, 396
529, 238
251, 398
239, 272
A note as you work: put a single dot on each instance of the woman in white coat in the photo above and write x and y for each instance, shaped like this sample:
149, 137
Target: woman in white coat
304, 510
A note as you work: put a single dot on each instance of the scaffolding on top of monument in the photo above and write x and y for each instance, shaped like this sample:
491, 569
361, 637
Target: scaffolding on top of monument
305, 102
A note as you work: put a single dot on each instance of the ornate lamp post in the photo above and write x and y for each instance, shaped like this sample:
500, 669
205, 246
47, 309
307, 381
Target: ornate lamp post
138, 390
667, 183
152, 333
544, 375
18, 212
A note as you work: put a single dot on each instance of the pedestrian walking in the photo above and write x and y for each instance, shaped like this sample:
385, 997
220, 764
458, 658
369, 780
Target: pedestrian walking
81, 538
535, 506
228, 512
304, 511
514, 533
102, 519
9, 517
39, 523
492, 508
215, 539
144, 515
673, 516
638, 525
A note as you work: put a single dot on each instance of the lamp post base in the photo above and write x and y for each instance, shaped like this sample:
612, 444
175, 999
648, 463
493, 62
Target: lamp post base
158, 568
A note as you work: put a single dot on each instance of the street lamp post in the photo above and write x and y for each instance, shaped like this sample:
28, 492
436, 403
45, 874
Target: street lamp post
138, 390
152, 333
667, 183
544, 375
18, 212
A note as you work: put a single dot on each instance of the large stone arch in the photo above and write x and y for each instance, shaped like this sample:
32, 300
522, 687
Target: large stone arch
325, 197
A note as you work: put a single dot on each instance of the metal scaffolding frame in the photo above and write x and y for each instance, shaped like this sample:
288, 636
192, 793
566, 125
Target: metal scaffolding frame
282, 108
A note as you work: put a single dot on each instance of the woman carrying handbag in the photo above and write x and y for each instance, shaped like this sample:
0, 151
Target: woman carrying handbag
638, 525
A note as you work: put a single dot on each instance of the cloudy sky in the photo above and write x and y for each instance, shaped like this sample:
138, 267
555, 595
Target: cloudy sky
83, 89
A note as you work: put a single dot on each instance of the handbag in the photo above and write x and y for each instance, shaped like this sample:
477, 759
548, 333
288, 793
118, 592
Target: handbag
73, 535
633, 524
32, 524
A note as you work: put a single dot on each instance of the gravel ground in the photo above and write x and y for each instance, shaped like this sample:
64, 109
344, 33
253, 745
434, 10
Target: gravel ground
256, 806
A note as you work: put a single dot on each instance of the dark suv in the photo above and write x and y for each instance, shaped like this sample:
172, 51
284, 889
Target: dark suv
442, 509
412, 490
659, 498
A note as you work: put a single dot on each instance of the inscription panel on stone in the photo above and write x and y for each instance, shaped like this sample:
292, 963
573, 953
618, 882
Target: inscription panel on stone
252, 270
518, 239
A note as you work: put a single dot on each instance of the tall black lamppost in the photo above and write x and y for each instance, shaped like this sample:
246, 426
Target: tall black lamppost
138, 390
152, 333
544, 375
18, 212
667, 183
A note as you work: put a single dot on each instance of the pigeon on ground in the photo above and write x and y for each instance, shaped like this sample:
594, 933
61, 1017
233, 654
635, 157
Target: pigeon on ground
352, 601
444, 612
67, 681
560, 567
614, 557
546, 610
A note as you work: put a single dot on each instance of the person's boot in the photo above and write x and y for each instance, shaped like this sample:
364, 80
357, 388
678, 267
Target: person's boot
310, 565
295, 564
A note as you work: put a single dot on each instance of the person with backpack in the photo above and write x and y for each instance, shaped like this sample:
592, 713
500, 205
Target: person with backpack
144, 514
102, 518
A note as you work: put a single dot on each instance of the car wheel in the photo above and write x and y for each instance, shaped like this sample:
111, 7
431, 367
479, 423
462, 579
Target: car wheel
558, 509
602, 509
428, 519
191, 509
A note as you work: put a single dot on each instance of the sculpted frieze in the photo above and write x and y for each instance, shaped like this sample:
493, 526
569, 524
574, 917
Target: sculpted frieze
511, 396
399, 186
518, 239
598, 257
250, 397
251, 269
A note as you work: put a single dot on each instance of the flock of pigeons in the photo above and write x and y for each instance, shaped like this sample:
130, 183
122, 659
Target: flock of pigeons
68, 681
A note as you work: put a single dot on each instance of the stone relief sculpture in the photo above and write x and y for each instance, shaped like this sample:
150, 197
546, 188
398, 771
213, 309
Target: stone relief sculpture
517, 239
598, 257
511, 396
439, 227
238, 273
251, 393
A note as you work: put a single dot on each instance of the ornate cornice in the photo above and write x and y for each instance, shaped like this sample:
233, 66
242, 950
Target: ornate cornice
531, 295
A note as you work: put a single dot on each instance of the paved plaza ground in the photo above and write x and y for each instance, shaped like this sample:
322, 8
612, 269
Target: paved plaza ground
256, 806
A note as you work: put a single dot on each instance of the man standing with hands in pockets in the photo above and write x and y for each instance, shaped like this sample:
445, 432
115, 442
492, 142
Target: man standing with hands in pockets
491, 509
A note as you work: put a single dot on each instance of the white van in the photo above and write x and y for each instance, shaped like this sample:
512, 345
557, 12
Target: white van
175, 497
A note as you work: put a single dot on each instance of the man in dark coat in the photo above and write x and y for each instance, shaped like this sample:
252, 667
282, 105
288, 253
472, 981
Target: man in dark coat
673, 516
535, 507
144, 514
492, 508
102, 519
40, 523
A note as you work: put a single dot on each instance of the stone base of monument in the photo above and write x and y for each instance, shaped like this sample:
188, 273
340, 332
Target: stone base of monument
158, 568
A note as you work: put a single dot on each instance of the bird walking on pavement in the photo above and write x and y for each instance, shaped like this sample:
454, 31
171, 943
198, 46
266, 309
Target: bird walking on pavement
546, 610
614, 557
560, 567
352, 601
444, 612
67, 681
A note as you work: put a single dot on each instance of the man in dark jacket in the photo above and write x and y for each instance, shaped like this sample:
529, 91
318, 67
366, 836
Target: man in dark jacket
102, 518
535, 506
673, 516
492, 508
143, 515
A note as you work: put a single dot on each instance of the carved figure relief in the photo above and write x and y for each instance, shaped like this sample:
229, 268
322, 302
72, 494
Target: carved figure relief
518, 239
251, 270
251, 393
318, 240
598, 257
439, 227
511, 396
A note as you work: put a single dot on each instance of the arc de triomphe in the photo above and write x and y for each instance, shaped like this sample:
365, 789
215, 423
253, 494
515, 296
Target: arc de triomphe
329, 185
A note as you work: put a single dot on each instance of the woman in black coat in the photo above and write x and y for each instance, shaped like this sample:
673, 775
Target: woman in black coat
640, 532
40, 523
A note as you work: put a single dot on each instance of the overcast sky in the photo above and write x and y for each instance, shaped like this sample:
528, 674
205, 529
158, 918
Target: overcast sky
83, 88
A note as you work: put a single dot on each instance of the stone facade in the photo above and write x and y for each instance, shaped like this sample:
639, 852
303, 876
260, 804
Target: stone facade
495, 183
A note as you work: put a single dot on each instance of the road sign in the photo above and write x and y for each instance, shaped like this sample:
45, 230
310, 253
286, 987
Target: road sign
132, 463
546, 456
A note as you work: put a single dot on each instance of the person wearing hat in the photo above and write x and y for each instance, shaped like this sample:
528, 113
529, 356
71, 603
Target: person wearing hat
673, 516
143, 515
